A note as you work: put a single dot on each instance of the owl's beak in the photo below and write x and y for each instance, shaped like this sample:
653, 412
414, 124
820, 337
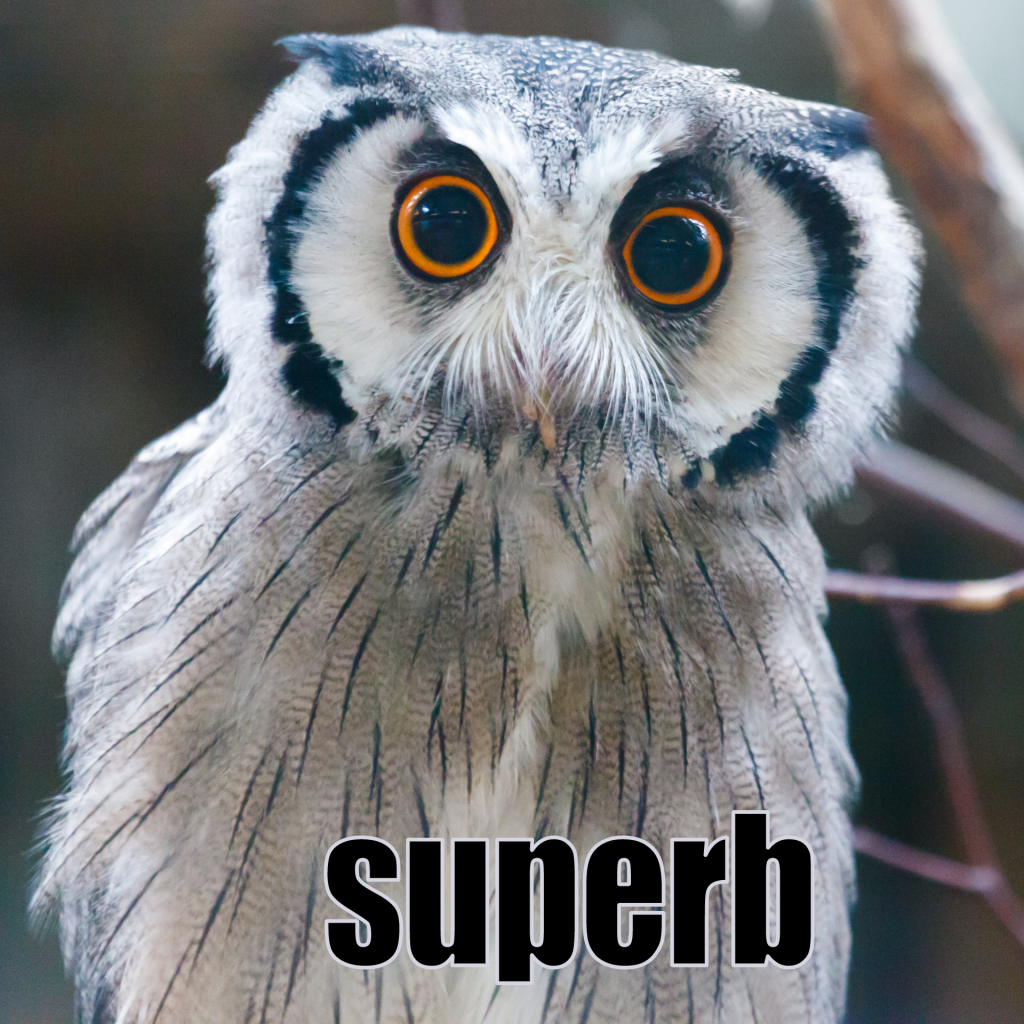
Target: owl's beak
539, 409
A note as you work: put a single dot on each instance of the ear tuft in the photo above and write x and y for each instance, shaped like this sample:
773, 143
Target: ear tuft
309, 44
350, 62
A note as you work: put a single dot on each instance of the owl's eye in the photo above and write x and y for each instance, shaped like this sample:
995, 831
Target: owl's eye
674, 256
445, 227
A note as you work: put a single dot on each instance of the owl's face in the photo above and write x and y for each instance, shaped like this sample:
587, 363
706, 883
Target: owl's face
540, 234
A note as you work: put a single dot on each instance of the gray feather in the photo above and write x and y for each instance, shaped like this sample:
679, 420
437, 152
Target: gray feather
557, 577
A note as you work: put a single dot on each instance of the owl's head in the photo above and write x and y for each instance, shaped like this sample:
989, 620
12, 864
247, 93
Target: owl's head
558, 242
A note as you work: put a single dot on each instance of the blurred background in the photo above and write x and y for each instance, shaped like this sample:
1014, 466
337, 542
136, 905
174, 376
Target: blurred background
112, 115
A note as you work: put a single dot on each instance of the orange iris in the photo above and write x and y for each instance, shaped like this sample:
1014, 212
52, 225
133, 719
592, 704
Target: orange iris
698, 266
446, 226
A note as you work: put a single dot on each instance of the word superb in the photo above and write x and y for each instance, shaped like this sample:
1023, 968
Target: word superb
537, 896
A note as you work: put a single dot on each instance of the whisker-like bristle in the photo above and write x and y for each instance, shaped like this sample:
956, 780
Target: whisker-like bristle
552, 344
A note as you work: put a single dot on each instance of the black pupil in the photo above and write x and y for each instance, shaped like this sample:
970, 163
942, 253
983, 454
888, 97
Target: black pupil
670, 254
449, 224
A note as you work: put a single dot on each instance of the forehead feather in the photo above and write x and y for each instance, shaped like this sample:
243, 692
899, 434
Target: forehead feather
553, 113
544, 84
559, 93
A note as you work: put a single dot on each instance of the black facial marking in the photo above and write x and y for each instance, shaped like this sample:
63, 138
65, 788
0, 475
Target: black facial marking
104, 1007
831, 131
310, 375
834, 236
834, 240
747, 451
796, 393
692, 476
308, 372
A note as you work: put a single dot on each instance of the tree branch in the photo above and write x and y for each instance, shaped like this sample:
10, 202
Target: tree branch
925, 865
961, 595
1001, 443
940, 707
935, 126
926, 677
942, 490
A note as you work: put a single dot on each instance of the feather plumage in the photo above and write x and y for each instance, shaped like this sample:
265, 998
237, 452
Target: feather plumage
438, 619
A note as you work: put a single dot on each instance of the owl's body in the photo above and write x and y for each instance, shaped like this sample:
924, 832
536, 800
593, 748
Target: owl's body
510, 553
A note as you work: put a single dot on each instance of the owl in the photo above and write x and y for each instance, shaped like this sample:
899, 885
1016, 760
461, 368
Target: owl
538, 354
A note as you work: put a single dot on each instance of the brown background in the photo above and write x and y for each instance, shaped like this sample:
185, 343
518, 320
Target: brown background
112, 115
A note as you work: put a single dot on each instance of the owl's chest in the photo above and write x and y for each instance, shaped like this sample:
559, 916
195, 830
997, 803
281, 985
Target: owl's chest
498, 635
489, 661
490, 643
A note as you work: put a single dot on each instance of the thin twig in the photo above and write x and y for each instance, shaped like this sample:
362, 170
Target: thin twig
933, 123
961, 595
987, 435
942, 490
940, 707
938, 702
926, 865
